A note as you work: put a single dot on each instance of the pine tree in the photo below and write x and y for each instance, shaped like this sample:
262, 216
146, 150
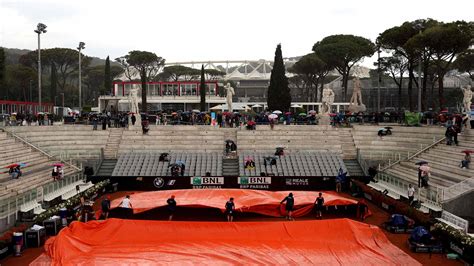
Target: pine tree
54, 82
202, 90
279, 97
107, 78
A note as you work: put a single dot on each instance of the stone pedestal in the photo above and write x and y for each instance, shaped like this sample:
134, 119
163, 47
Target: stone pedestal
324, 120
357, 108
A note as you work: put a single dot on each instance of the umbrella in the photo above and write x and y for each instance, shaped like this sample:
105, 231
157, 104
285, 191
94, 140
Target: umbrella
421, 162
256, 105
302, 114
12, 165
179, 162
468, 151
196, 111
251, 123
229, 141
173, 164
58, 164
288, 113
226, 113
296, 106
311, 112
273, 116
174, 113
278, 112
425, 168
248, 159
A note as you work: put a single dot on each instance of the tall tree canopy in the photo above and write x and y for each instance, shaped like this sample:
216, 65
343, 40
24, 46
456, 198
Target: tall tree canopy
65, 60
279, 97
442, 42
465, 62
3, 89
147, 64
18, 79
343, 52
312, 71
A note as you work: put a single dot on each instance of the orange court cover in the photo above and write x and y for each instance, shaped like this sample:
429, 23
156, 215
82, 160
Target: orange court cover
255, 201
139, 242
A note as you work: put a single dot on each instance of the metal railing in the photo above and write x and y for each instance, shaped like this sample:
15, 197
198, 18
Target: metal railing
455, 220
431, 195
37, 148
11, 206
458, 189
409, 157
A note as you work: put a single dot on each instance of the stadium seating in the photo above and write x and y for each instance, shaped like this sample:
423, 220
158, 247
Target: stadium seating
148, 164
292, 138
36, 173
402, 141
444, 161
298, 164
173, 138
71, 141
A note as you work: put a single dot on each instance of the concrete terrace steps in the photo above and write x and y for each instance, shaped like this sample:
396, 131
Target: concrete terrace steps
442, 172
412, 176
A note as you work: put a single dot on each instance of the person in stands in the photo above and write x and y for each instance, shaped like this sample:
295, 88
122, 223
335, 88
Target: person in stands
126, 203
105, 206
466, 161
55, 173
411, 194
290, 203
319, 204
229, 209
372, 173
171, 207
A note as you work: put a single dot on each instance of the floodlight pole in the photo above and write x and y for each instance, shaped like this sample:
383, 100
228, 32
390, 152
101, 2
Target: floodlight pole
40, 28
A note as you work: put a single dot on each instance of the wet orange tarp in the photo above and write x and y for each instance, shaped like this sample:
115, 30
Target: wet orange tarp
254, 201
139, 242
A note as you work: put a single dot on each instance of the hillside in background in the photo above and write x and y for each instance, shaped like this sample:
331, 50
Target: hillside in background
13, 55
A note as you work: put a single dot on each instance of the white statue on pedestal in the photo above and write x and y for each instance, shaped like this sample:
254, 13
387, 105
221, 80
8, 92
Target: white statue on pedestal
327, 100
133, 98
467, 99
229, 93
356, 105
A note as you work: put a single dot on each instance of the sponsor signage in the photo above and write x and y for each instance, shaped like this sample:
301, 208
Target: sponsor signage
207, 182
159, 182
254, 182
296, 182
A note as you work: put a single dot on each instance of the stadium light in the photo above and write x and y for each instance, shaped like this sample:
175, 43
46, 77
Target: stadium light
40, 28
81, 46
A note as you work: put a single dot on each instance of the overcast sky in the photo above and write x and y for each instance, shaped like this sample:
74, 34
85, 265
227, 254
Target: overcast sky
187, 30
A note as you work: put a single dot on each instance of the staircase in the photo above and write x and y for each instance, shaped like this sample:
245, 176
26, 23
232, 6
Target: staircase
113, 143
230, 167
107, 167
353, 168
349, 150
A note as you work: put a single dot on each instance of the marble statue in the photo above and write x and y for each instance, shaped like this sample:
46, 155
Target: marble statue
229, 93
467, 99
133, 99
356, 105
327, 100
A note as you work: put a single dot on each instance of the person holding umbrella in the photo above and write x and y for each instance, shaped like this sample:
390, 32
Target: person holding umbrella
423, 173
